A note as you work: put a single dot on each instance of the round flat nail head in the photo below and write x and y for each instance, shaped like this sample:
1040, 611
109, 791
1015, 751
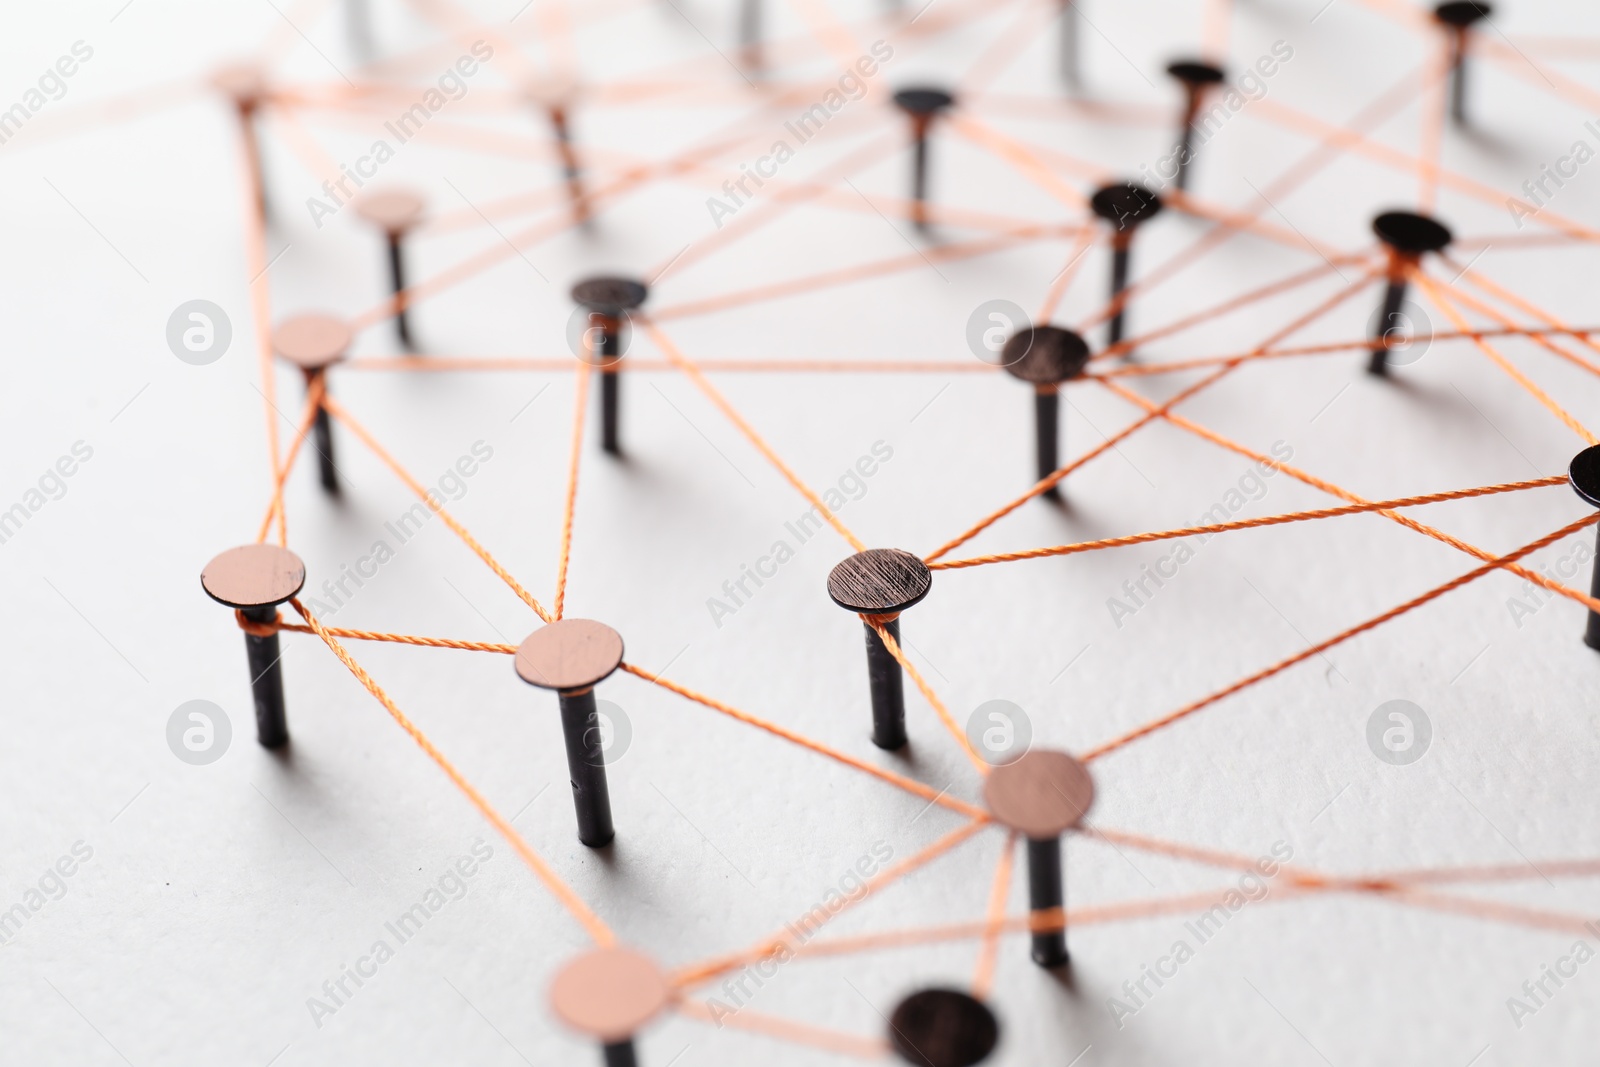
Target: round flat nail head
311, 342
253, 576
923, 101
1125, 203
551, 92
1195, 73
1584, 473
1044, 355
879, 581
1408, 232
1462, 13
392, 210
1042, 795
610, 993
943, 1028
244, 83
609, 296
569, 655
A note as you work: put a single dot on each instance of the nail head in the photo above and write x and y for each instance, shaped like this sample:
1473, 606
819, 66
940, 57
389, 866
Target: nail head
610, 993
923, 101
312, 342
610, 296
1044, 355
1125, 203
1584, 473
1042, 795
569, 655
943, 1028
253, 576
392, 210
879, 581
1408, 232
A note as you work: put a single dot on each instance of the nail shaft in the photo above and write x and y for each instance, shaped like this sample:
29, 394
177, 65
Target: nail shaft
1047, 421
397, 279
322, 436
1047, 891
1119, 282
266, 681
1591, 632
580, 728
1394, 299
610, 383
620, 1054
888, 689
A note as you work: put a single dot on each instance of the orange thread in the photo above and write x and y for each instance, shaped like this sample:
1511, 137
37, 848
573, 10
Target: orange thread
983, 976
579, 406
1345, 635
745, 428
908, 784
899, 655
598, 930
338, 412
1247, 524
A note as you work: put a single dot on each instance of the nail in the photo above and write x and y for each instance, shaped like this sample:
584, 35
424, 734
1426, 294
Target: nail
921, 105
1458, 17
1406, 237
1042, 795
314, 343
571, 656
1584, 473
1125, 205
254, 580
943, 1028
245, 84
880, 583
611, 994
608, 301
554, 97
395, 212
1195, 76
1045, 357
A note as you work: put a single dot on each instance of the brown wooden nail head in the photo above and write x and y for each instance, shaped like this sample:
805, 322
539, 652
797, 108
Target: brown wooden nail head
1042, 795
610, 993
253, 576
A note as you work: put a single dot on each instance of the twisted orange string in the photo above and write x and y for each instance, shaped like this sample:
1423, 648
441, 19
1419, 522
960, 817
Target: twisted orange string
579, 407
908, 784
1247, 524
1344, 635
598, 930
989, 954
927, 691
338, 412
693, 372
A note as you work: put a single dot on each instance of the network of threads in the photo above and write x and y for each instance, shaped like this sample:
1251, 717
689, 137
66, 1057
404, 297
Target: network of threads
1419, 888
